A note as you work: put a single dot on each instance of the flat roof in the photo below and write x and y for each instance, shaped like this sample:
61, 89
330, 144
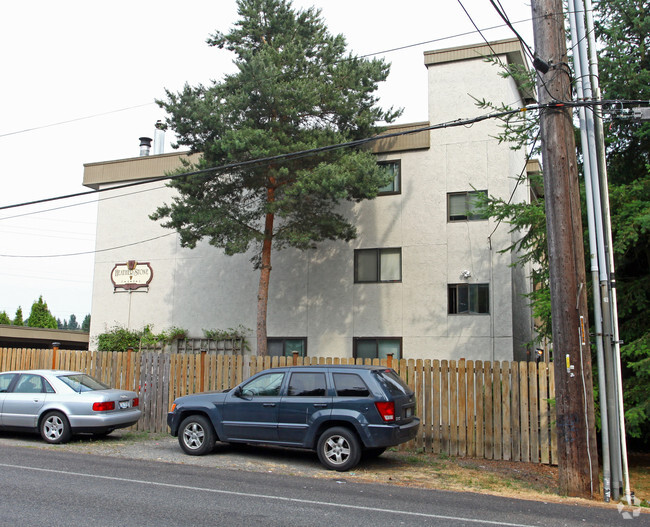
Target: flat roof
41, 338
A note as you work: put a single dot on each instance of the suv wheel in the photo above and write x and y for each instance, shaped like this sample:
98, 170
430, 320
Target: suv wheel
196, 435
339, 449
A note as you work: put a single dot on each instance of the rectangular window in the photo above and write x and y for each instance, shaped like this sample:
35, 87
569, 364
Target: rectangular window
307, 385
378, 265
377, 348
469, 299
394, 168
463, 206
284, 347
350, 385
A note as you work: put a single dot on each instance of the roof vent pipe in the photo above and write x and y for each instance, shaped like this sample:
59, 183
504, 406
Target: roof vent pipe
145, 146
159, 138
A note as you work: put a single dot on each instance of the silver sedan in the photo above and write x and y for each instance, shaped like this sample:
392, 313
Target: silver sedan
58, 403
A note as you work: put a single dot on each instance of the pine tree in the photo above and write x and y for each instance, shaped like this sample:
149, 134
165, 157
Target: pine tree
295, 89
85, 325
18, 318
40, 316
72, 323
4, 318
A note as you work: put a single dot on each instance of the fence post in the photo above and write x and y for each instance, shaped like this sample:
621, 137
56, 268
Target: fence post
202, 372
55, 348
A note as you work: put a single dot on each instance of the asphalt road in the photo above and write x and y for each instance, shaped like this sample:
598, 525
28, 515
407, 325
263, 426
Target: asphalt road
56, 488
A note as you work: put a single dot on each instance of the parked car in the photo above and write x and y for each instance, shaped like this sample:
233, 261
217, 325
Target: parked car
60, 403
342, 412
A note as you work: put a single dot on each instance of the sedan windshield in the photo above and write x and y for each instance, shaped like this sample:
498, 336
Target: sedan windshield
83, 383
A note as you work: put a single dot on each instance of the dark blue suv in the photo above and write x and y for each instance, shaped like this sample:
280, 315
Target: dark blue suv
341, 412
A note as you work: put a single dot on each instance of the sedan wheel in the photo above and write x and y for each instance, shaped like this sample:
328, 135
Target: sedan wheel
55, 428
196, 435
339, 449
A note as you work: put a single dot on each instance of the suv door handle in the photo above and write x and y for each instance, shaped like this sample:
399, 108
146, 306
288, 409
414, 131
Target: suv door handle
267, 405
320, 405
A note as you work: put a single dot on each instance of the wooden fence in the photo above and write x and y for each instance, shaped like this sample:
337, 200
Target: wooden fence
491, 410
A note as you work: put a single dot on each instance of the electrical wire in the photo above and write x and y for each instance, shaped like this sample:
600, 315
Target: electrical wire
75, 120
313, 151
391, 50
88, 252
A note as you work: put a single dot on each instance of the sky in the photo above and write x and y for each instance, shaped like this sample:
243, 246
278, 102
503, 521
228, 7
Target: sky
79, 80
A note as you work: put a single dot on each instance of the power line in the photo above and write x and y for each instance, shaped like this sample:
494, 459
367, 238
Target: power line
323, 149
391, 50
87, 252
75, 120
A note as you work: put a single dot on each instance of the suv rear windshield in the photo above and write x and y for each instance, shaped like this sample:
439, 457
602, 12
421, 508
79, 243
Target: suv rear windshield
392, 382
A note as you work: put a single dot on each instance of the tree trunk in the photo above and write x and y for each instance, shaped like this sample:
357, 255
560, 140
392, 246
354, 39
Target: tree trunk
265, 275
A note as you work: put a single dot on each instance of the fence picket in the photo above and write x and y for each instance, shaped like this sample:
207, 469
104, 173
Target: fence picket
467, 408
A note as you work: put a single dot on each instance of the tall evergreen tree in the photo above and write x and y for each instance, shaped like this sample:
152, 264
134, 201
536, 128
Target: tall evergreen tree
18, 318
85, 325
623, 29
72, 323
4, 318
295, 89
40, 316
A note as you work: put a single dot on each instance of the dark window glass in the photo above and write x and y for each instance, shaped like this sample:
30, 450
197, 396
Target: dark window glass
350, 385
469, 299
378, 265
264, 385
393, 383
377, 348
394, 168
284, 347
307, 384
463, 206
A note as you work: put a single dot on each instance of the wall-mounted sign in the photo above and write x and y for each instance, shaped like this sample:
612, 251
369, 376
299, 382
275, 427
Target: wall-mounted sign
131, 275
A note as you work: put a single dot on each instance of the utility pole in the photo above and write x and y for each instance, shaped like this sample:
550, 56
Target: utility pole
577, 449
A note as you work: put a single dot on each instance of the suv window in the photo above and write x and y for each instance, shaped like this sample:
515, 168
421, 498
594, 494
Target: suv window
268, 384
307, 384
350, 385
392, 382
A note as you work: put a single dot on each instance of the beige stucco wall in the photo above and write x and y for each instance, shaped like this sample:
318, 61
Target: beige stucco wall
312, 293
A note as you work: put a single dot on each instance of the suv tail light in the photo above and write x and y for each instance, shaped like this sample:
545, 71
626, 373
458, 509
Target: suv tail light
103, 407
386, 410
136, 402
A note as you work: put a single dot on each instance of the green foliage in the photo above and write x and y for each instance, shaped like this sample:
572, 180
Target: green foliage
119, 339
72, 323
40, 316
18, 318
240, 332
296, 88
85, 325
4, 318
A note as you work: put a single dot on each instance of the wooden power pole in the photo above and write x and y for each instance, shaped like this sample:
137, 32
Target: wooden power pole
577, 452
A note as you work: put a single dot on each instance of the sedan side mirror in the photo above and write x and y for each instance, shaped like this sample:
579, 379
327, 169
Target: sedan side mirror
238, 392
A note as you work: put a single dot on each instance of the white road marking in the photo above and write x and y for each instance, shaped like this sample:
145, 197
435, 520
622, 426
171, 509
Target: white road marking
268, 497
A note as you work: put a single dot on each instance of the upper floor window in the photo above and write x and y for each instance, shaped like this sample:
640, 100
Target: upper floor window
469, 299
394, 168
284, 347
463, 206
377, 348
378, 265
